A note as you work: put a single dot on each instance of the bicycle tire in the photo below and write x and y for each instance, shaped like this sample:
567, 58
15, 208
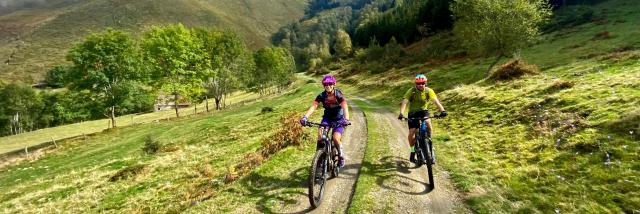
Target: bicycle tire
335, 170
318, 165
429, 162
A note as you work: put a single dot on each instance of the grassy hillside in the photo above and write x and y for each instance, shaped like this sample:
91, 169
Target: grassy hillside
28, 139
35, 37
109, 172
565, 140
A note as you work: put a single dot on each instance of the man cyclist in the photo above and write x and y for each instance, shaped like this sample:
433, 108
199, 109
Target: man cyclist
418, 97
336, 110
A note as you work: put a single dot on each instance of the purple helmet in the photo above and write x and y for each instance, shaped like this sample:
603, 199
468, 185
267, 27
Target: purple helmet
328, 80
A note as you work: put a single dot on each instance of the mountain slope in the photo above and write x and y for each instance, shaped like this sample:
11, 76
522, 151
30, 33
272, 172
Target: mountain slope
35, 37
565, 140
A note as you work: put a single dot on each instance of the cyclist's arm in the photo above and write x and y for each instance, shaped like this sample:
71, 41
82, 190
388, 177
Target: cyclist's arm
433, 95
437, 102
403, 105
313, 107
345, 108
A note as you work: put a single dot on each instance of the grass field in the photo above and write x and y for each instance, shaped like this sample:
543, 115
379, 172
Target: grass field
15, 142
109, 172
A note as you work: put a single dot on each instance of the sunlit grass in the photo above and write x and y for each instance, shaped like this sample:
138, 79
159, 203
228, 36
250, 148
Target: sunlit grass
75, 177
562, 140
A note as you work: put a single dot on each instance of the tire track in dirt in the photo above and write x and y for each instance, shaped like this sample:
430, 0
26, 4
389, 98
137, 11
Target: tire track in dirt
339, 191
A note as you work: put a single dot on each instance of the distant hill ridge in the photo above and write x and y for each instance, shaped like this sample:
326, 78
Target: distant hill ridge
35, 34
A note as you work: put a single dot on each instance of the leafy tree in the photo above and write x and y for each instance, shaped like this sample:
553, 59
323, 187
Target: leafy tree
175, 57
57, 76
227, 63
106, 64
274, 67
498, 27
343, 45
19, 108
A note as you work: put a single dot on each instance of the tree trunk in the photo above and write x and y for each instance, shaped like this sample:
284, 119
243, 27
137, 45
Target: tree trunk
175, 103
206, 102
195, 108
113, 117
217, 100
494, 63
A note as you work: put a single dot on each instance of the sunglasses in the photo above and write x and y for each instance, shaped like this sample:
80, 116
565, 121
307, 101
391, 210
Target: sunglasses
327, 84
420, 83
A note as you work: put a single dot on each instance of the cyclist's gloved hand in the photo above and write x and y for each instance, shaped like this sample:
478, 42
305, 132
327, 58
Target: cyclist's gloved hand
345, 122
443, 114
303, 121
400, 116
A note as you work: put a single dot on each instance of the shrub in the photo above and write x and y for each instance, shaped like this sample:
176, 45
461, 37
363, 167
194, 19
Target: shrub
289, 134
514, 69
128, 172
151, 145
601, 36
266, 109
561, 84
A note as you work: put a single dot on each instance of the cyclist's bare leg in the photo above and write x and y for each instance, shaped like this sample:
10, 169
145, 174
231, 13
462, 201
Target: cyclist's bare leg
319, 142
412, 136
337, 140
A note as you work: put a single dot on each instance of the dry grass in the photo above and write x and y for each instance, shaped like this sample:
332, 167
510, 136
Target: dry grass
514, 69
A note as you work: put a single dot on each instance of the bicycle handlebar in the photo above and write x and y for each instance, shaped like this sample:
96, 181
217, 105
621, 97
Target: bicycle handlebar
436, 116
332, 125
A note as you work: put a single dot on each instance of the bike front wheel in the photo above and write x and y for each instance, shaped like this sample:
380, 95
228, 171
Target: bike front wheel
318, 177
429, 161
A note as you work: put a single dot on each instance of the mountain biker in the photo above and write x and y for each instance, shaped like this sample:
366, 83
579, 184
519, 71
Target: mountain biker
336, 110
418, 97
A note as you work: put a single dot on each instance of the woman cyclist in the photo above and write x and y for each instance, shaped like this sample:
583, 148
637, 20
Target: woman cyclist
336, 110
417, 97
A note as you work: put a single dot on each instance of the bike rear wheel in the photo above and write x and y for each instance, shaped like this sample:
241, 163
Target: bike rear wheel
318, 178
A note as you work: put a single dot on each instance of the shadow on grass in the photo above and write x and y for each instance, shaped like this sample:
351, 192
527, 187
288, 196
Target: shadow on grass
266, 189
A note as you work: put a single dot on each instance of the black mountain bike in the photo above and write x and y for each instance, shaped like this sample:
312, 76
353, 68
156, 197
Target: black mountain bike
425, 154
324, 162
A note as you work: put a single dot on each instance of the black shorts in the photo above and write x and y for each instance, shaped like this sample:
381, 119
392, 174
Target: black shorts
413, 124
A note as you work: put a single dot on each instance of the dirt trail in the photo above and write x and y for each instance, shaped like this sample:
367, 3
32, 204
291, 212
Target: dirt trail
339, 190
409, 187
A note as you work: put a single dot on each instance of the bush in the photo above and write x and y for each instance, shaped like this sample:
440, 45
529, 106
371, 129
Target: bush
151, 145
56, 77
129, 172
289, 134
266, 109
514, 69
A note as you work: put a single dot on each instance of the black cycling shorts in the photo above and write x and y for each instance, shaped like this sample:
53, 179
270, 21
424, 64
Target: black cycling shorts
413, 124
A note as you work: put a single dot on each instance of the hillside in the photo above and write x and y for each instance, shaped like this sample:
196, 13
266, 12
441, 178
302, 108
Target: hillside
110, 171
565, 140
35, 35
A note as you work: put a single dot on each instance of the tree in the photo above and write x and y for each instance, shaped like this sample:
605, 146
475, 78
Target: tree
498, 27
274, 67
106, 64
19, 108
227, 62
343, 45
56, 77
175, 57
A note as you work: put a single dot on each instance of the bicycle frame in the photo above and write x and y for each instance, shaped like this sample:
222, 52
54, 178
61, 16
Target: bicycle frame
323, 162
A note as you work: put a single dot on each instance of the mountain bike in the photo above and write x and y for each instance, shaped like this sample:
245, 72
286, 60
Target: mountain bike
325, 161
425, 154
